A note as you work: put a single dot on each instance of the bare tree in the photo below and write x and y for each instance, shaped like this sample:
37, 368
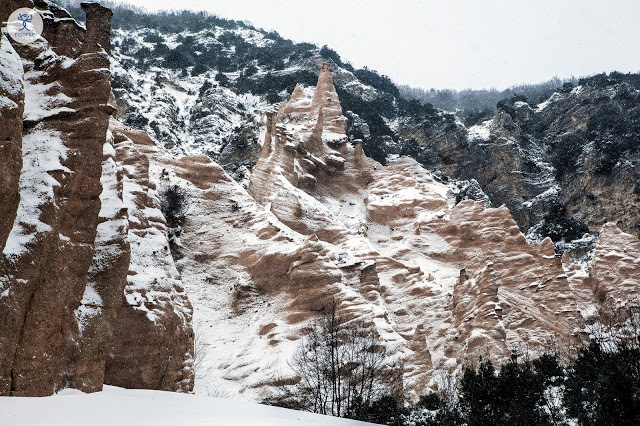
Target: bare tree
342, 365
200, 352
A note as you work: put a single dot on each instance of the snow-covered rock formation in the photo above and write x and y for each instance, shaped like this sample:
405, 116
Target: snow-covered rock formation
69, 216
442, 282
90, 292
563, 167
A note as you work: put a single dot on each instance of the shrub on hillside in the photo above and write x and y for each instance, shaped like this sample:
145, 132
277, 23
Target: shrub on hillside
603, 384
476, 116
557, 226
174, 204
598, 386
507, 105
565, 152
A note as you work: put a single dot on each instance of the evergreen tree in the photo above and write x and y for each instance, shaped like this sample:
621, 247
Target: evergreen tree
603, 387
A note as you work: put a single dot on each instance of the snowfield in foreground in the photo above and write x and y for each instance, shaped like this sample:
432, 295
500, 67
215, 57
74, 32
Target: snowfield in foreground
118, 406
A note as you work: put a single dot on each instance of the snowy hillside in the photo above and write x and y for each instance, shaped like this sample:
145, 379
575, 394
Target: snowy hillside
206, 92
223, 212
189, 114
440, 278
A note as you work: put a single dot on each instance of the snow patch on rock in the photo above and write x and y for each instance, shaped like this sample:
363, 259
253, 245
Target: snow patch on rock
42, 151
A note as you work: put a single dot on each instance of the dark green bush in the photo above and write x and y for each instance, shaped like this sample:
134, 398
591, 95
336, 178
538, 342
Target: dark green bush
565, 152
603, 385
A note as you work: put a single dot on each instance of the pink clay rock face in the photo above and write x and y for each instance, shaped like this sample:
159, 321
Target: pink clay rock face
64, 222
96, 288
442, 284
489, 239
151, 346
399, 219
615, 270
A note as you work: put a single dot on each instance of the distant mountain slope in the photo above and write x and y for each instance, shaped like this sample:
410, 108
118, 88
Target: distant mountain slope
202, 84
563, 167
202, 87
472, 104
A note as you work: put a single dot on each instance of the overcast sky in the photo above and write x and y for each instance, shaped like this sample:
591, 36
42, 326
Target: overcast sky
453, 43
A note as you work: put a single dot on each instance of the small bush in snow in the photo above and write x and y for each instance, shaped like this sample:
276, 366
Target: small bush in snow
174, 203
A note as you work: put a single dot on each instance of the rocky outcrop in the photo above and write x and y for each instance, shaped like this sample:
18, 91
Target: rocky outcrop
65, 227
91, 294
615, 269
522, 288
100, 305
509, 169
590, 133
599, 197
453, 279
471, 284
306, 144
11, 109
573, 154
153, 339
50, 246
254, 283
98, 34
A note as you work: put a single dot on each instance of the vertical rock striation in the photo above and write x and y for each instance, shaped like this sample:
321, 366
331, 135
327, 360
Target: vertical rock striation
64, 228
11, 109
153, 342
615, 270
50, 247
453, 282
107, 276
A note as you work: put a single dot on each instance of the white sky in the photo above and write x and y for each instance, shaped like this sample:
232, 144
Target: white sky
452, 43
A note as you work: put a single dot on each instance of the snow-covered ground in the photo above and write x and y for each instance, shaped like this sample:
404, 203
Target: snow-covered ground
118, 406
481, 131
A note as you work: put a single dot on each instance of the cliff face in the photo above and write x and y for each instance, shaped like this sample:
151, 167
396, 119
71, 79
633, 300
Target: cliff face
595, 129
66, 254
90, 292
12, 107
50, 246
575, 154
443, 283
616, 265
100, 305
153, 342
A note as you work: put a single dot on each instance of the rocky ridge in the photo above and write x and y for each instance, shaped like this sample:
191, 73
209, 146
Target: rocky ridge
564, 167
67, 232
443, 281
207, 90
